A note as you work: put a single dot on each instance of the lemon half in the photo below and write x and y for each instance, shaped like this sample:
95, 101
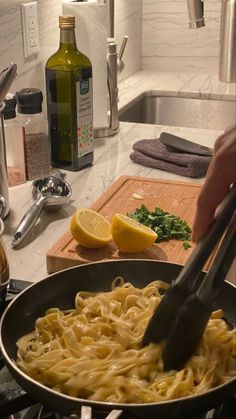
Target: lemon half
129, 235
90, 229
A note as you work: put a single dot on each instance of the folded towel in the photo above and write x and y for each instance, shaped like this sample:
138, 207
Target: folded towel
153, 153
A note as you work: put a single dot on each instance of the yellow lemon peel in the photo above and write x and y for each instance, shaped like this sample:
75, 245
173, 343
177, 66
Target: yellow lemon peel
131, 236
90, 229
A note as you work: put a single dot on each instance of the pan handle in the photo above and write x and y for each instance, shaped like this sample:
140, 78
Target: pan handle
86, 413
28, 221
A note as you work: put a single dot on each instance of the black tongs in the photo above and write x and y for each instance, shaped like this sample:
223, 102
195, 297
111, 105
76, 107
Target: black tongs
182, 315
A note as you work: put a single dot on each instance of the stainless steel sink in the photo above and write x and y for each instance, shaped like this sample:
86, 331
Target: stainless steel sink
180, 111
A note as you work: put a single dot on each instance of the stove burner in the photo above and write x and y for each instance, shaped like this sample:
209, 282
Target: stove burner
14, 288
37, 411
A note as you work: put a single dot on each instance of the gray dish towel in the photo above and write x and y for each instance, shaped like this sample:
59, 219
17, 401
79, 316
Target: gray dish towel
153, 153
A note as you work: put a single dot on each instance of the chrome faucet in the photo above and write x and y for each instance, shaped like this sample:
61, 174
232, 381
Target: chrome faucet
227, 56
115, 65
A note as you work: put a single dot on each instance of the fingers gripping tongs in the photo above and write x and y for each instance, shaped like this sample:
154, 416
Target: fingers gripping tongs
183, 313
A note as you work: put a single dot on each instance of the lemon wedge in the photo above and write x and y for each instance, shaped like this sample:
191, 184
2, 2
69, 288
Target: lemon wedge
90, 229
129, 235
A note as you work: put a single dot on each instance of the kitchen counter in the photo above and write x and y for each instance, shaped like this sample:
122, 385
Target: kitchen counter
175, 84
111, 160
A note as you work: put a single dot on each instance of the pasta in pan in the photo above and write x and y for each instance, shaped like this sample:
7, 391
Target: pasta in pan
93, 351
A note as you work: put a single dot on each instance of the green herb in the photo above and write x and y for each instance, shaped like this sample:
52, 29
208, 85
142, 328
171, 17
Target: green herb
167, 226
186, 245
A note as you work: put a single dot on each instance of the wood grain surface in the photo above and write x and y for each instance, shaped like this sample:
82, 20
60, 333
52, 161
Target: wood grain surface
124, 195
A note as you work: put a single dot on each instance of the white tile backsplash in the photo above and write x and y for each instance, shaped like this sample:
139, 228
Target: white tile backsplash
159, 38
128, 16
169, 44
30, 70
128, 21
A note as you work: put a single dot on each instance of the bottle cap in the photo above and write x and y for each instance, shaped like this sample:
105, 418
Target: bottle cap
66, 22
29, 101
9, 111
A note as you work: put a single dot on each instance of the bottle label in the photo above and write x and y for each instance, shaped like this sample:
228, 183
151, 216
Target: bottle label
84, 93
70, 117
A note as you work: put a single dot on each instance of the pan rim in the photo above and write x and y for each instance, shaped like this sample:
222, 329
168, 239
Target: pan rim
98, 404
101, 404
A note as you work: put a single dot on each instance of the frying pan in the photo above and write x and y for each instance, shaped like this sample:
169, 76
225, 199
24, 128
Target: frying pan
4, 265
59, 290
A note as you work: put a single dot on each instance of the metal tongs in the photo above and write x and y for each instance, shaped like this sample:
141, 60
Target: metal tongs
182, 315
7, 76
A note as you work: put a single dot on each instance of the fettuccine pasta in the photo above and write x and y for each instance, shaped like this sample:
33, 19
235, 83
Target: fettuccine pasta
94, 351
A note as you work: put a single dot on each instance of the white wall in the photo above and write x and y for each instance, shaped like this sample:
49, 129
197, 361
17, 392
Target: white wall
159, 37
128, 21
169, 44
31, 71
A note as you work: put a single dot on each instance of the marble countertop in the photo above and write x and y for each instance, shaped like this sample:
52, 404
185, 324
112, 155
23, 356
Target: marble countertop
111, 160
193, 85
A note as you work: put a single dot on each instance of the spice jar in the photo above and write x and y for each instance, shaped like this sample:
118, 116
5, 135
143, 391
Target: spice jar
14, 143
29, 108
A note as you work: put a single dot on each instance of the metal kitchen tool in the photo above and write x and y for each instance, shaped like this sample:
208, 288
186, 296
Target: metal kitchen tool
193, 316
165, 323
52, 191
7, 76
3, 167
185, 145
4, 265
2, 210
59, 290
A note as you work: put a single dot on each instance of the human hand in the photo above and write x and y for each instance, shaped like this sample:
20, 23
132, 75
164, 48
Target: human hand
220, 175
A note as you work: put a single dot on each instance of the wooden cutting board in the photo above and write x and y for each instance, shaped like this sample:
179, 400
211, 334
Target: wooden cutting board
124, 195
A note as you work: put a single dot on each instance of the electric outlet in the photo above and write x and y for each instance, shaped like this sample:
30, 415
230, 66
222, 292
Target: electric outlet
30, 28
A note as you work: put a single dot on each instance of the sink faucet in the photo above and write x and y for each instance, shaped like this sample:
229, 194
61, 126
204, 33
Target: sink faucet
115, 65
227, 56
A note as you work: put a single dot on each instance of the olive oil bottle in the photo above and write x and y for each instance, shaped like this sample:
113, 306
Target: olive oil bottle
69, 102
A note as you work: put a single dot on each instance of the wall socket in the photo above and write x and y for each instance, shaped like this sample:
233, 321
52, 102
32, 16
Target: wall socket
30, 26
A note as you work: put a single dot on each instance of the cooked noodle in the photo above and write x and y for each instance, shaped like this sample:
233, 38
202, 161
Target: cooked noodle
93, 351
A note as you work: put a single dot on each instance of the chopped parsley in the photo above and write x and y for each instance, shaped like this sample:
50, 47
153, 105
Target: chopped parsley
166, 225
186, 245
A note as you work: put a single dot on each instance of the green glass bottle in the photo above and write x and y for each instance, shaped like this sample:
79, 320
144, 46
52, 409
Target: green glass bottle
69, 102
